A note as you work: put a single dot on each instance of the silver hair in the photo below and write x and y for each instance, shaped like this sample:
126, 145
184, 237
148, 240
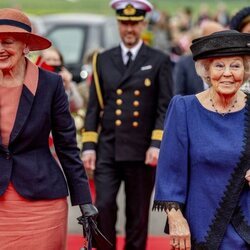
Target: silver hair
202, 68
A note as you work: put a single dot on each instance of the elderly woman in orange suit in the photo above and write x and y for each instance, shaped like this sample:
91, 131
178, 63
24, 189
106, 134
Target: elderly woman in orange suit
33, 190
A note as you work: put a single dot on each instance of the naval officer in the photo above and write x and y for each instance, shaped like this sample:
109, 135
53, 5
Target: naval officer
129, 95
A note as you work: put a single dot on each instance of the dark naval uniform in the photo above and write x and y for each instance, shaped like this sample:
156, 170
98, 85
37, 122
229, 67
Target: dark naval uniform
134, 103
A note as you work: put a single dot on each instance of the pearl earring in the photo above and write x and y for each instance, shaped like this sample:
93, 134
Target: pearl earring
26, 50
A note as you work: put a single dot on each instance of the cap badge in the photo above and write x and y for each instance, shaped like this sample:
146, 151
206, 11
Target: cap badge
248, 45
129, 10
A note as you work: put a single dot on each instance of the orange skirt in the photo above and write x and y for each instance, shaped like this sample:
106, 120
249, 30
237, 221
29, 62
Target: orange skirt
32, 225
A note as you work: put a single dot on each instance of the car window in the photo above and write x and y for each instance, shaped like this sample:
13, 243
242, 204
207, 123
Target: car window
70, 41
94, 38
111, 37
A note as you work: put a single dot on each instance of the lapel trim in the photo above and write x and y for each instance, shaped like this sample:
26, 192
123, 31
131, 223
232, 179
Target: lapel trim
31, 77
117, 59
26, 99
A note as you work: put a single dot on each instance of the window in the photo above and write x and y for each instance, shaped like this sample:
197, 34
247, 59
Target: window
111, 36
70, 40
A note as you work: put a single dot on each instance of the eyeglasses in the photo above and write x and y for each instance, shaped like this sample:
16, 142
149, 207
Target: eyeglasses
233, 67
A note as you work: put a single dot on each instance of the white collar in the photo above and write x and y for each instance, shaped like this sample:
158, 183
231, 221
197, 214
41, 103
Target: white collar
134, 50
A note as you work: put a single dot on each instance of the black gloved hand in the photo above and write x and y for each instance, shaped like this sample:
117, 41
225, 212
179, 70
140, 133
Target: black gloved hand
89, 215
92, 235
89, 210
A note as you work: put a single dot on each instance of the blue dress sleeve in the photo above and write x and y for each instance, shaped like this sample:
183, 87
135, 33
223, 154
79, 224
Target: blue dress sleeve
172, 169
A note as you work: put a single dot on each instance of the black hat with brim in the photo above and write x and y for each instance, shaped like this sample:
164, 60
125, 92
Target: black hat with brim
221, 44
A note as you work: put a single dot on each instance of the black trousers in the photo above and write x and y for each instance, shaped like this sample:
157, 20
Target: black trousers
138, 182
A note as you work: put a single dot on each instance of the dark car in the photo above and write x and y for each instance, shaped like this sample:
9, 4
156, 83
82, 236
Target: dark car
76, 35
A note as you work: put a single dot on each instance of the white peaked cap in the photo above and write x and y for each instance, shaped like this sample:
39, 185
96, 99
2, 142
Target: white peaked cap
137, 4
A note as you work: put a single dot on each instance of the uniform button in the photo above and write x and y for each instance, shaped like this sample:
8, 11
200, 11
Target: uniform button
136, 103
135, 124
136, 113
119, 101
118, 112
119, 91
137, 92
147, 82
118, 123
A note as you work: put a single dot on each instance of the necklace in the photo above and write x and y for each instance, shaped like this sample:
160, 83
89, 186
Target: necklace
223, 113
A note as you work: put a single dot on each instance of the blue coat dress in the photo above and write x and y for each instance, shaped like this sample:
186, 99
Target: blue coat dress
203, 160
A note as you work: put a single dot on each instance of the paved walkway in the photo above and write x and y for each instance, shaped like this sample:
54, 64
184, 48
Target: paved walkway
156, 223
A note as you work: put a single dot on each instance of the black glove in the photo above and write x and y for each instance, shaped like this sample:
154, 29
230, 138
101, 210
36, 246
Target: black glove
89, 211
91, 233
89, 215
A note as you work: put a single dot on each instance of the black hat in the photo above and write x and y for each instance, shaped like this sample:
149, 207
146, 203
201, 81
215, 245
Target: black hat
131, 10
220, 44
241, 18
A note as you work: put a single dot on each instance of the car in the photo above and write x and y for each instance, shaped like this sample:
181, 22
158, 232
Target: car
77, 35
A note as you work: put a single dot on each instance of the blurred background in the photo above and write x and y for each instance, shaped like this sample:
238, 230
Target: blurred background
101, 6
172, 25
78, 28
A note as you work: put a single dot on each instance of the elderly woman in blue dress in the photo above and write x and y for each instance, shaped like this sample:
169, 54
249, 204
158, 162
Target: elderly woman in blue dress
202, 175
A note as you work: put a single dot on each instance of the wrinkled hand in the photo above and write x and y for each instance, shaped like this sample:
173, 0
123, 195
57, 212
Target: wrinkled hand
178, 230
152, 156
89, 160
247, 176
